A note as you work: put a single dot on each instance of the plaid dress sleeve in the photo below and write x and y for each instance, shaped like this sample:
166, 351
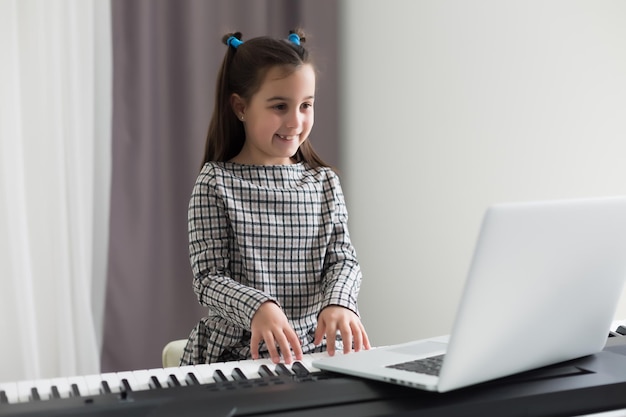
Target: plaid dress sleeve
342, 273
210, 236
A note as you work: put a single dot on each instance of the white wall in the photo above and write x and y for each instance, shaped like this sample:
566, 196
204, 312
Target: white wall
454, 105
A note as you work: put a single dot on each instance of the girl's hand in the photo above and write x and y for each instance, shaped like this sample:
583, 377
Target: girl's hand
270, 324
337, 318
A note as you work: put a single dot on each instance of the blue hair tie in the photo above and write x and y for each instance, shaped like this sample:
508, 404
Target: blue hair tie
294, 38
234, 42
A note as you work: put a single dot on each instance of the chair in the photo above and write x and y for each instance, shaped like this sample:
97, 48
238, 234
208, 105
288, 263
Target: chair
172, 352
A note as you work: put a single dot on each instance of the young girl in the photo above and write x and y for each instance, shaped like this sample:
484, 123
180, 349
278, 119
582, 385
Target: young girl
268, 236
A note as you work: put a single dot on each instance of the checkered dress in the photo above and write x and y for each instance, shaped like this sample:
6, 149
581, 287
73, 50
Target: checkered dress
266, 233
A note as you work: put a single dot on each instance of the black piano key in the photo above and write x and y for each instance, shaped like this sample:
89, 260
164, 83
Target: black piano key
105, 389
281, 369
126, 385
75, 391
34, 394
172, 381
55, 392
219, 376
299, 369
191, 379
3, 398
154, 383
265, 371
238, 375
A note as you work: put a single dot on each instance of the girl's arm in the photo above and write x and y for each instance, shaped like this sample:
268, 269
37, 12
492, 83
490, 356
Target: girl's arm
210, 257
342, 281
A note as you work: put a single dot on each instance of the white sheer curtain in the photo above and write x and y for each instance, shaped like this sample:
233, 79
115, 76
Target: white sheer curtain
55, 82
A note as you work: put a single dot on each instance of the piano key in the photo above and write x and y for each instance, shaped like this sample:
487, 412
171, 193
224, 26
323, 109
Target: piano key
126, 386
299, 369
129, 381
191, 379
105, 389
44, 389
142, 380
308, 359
3, 398
281, 369
23, 390
226, 368
204, 373
94, 384
172, 381
160, 374
78, 386
154, 383
219, 376
10, 392
34, 394
62, 385
251, 368
113, 381
265, 371
238, 375
180, 373
54, 392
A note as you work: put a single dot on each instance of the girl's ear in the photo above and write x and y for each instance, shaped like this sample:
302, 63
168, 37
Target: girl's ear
239, 105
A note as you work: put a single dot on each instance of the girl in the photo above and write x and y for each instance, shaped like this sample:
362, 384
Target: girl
268, 237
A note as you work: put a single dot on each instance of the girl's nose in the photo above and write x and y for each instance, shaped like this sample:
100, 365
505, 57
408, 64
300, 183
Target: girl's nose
293, 120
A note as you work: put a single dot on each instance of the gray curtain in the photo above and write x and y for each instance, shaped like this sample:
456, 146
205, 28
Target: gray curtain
166, 54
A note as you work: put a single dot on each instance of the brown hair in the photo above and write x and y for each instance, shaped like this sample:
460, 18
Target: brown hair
243, 70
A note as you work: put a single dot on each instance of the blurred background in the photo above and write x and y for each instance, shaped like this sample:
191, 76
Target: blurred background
431, 110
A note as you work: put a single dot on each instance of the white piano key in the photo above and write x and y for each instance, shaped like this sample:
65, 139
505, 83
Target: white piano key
113, 380
44, 388
62, 386
80, 383
130, 378
307, 360
24, 390
141, 380
190, 369
10, 390
251, 367
160, 374
94, 384
205, 371
227, 368
180, 374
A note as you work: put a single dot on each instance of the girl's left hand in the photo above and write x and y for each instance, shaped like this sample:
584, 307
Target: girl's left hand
336, 318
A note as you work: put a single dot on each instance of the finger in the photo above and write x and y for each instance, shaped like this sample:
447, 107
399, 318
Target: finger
357, 336
346, 337
319, 333
271, 347
283, 343
255, 340
331, 336
296, 347
366, 340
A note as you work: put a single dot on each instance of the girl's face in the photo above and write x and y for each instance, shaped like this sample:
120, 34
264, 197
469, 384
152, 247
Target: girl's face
278, 118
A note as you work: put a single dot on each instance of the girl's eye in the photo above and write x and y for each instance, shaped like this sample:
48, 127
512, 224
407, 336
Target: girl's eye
280, 106
307, 105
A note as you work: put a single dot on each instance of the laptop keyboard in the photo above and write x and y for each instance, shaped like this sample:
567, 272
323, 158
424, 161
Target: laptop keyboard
430, 365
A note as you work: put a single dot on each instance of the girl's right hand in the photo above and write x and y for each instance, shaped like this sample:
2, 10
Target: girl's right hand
270, 324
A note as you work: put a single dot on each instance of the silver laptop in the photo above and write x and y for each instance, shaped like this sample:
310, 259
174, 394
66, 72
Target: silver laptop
542, 288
